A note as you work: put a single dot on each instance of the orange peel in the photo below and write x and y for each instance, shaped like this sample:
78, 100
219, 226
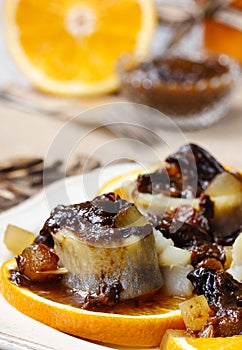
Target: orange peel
141, 329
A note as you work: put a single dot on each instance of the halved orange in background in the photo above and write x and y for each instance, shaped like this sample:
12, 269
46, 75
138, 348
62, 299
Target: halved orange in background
71, 47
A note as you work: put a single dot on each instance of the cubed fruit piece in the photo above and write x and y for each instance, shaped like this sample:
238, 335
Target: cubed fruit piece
16, 239
195, 312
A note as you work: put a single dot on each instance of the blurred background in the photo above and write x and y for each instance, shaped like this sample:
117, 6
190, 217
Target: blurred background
219, 33
9, 73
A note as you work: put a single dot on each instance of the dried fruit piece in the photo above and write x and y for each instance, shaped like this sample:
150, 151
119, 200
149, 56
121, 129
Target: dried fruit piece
34, 259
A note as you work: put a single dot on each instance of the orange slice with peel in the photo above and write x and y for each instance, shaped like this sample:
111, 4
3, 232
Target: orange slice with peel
180, 343
142, 326
72, 47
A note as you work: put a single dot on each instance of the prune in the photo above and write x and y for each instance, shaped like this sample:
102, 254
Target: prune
189, 228
223, 294
187, 173
226, 323
185, 235
193, 159
228, 239
219, 287
193, 238
185, 225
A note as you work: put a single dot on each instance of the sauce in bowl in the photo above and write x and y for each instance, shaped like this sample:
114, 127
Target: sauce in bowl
195, 93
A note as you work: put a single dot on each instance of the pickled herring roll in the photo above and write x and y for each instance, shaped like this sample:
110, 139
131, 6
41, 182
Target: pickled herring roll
108, 248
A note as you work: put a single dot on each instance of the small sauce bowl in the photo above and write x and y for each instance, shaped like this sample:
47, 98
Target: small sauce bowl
195, 92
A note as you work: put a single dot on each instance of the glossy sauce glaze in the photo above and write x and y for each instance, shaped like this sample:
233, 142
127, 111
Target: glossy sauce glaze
56, 291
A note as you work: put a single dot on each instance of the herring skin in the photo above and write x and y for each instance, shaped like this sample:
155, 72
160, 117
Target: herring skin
133, 263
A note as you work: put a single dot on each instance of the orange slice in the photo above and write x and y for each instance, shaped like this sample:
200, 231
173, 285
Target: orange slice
72, 47
231, 343
142, 326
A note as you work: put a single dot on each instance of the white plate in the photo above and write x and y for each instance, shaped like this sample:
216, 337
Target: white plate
18, 331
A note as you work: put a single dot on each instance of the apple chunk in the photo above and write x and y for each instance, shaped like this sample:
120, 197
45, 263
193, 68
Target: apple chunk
224, 184
226, 192
16, 239
195, 312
